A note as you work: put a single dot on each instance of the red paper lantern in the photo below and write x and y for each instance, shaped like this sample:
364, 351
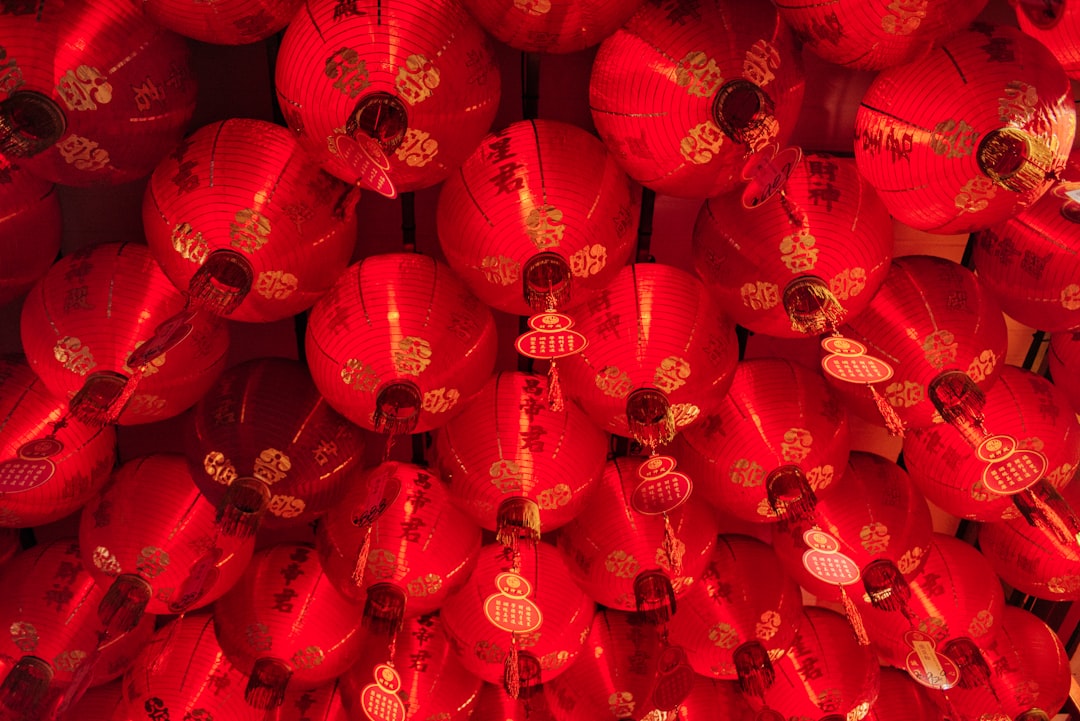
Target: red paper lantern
564, 610
660, 354
376, 543
29, 230
55, 648
1030, 261
41, 490
394, 95
235, 22
1063, 359
92, 92
293, 442
614, 676
183, 672
930, 316
244, 190
152, 535
101, 703
777, 417
826, 227
1055, 25
956, 595
494, 704
512, 462
92, 309
876, 35
710, 696
325, 703
543, 26
433, 684
825, 673
284, 625
743, 602
628, 557
969, 135
1023, 405
540, 215
399, 342
902, 699
683, 95
873, 513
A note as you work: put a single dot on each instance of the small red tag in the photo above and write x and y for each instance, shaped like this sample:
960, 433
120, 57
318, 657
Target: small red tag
40, 448
168, 334
766, 172
1019, 471
513, 585
926, 665
379, 700
20, 475
201, 578
383, 490
655, 467
818, 540
368, 161
673, 686
831, 567
839, 345
513, 615
996, 448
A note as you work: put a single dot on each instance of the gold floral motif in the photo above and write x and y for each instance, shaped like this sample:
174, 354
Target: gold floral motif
797, 251
24, 636
1067, 583
68, 661
975, 195
621, 704
152, 562
220, 468
381, 564
104, 560
271, 466
671, 374
416, 79
359, 376
308, 657
820, 477
500, 270
848, 283
190, 244
760, 295
982, 365
440, 400
746, 473
953, 139
249, 231
875, 537
910, 560
588, 261
903, 394
258, 638
70, 352
934, 626
723, 635
796, 444
417, 148
614, 383
699, 74
413, 355
146, 404
276, 284
506, 476
533, 7
83, 153
150, 368
348, 71
903, 17
81, 87
678, 551
621, 564
1070, 297
702, 143
760, 62
11, 77
528, 639
427, 585
286, 506
554, 660
981, 624
683, 414
767, 626
1017, 107
544, 226
553, 498
940, 348
859, 712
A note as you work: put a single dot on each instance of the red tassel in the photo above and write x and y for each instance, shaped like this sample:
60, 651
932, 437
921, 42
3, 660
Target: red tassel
1033, 714
974, 671
397, 408
790, 495
384, 608
222, 282
854, 618
122, 606
23, 689
754, 668
555, 394
245, 501
517, 519
892, 421
103, 396
673, 550
886, 586
960, 403
648, 413
811, 306
267, 684
361, 559
511, 670
1046, 509
654, 597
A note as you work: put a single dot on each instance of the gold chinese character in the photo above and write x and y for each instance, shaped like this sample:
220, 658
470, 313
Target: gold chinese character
702, 142
506, 476
760, 295
417, 148
220, 468
723, 635
79, 88
413, 355
83, 153
533, 7
587, 261
982, 366
249, 230
286, 506
621, 564
73, 355
760, 62
903, 17
146, 93
359, 376
975, 195
416, 79
271, 466
699, 74
348, 71
797, 251
276, 284
848, 283
796, 444
500, 270
671, 374
613, 382
940, 348
440, 400
189, 244
544, 226
1017, 108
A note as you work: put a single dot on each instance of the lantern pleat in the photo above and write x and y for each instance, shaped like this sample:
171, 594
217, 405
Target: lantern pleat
968, 135
710, 697
552, 26
900, 698
100, 703
682, 94
29, 229
237, 22
1057, 26
494, 704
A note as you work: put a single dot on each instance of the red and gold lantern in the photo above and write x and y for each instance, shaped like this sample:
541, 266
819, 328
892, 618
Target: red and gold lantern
929, 317
245, 190
183, 672
779, 422
516, 466
88, 315
1057, 26
825, 227
879, 34
393, 95
709, 697
394, 542
900, 698
265, 420
546, 26
539, 216
92, 92
494, 704
326, 703
1030, 261
234, 22
285, 626
740, 615
29, 229
155, 539
52, 463
399, 343
628, 557
1063, 360
970, 134
100, 703
684, 95
433, 684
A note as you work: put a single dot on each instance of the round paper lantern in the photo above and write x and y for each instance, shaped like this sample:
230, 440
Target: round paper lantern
1063, 359
614, 676
433, 684
742, 606
930, 316
900, 698
391, 94
825, 673
627, 556
325, 703
709, 697
264, 419
564, 612
956, 595
36, 488
151, 538
183, 672
660, 354
92, 310
825, 239
394, 542
514, 464
544, 26
29, 229
969, 135
778, 417
240, 198
284, 625
234, 22
879, 34
399, 342
1025, 668
494, 704
1057, 26
101, 703
92, 93
682, 96
1022, 405
873, 513
1030, 261
539, 216
56, 648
